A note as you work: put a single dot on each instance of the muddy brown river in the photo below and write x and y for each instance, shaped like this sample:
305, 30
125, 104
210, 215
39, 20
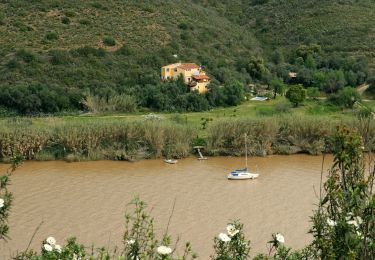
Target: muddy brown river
88, 200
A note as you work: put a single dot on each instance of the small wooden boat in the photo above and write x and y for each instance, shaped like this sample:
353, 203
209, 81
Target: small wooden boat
170, 161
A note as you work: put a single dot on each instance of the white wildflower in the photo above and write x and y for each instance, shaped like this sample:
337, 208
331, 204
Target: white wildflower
232, 231
349, 216
130, 241
280, 238
47, 247
331, 222
359, 220
224, 237
353, 222
58, 248
1, 203
51, 240
164, 250
359, 234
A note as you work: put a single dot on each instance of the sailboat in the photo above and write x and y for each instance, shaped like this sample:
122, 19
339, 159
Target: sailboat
243, 174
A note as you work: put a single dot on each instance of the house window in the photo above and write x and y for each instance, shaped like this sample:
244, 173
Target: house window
175, 69
168, 70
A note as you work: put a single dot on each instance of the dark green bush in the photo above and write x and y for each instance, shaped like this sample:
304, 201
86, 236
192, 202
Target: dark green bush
109, 41
12, 64
87, 50
65, 20
26, 56
70, 13
51, 36
346, 97
84, 22
296, 94
99, 5
2, 19
59, 57
124, 50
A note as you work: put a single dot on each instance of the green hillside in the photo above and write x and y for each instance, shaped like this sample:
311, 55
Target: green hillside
53, 53
336, 25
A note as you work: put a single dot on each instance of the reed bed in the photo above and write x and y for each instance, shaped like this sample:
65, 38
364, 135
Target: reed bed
116, 140
133, 140
285, 135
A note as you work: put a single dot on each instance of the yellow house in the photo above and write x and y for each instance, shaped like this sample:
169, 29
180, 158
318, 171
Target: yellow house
192, 73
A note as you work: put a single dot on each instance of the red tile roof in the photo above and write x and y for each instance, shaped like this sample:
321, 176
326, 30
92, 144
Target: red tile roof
188, 66
198, 77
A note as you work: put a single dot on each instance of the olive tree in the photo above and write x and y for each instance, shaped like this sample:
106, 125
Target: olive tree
296, 94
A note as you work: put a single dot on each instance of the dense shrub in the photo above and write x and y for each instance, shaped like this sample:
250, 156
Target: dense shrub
313, 92
346, 97
37, 98
109, 41
65, 20
51, 36
26, 56
87, 51
59, 57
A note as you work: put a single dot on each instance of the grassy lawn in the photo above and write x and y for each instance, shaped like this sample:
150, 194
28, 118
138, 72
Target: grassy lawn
252, 109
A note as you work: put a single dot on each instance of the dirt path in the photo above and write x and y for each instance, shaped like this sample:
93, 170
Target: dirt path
362, 88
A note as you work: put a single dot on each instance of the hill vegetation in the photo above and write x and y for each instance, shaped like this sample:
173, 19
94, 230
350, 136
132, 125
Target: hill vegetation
55, 54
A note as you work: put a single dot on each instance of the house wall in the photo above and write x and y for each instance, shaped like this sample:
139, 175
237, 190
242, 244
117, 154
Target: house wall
187, 74
169, 72
201, 87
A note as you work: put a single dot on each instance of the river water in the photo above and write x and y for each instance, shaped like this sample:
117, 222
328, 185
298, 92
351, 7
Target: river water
88, 200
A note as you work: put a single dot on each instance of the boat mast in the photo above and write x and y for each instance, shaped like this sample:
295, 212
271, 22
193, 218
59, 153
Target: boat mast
246, 149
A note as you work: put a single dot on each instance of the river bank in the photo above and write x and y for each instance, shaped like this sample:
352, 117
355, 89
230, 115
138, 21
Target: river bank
121, 139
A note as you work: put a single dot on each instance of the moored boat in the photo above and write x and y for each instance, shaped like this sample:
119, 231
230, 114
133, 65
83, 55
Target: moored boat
243, 174
170, 161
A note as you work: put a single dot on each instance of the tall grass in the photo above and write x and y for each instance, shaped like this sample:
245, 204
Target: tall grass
116, 139
285, 135
98, 140
116, 103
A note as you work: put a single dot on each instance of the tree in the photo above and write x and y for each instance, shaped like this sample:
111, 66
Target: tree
346, 97
306, 50
305, 77
256, 67
371, 82
278, 57
296, 94
215, 95
310, 62
234, 94
335, 80
278, 87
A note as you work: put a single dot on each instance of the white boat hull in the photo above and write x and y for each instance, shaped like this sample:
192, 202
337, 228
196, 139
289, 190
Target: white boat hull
170, 161
242, 176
